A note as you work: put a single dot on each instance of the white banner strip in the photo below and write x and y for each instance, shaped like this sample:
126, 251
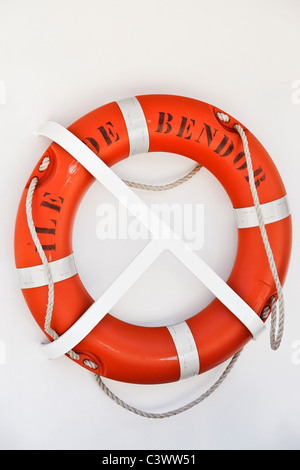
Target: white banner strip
186, 349
35, 276
272, 212
156, 226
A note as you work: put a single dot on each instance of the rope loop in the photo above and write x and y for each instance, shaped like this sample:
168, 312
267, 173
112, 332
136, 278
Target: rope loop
277, 318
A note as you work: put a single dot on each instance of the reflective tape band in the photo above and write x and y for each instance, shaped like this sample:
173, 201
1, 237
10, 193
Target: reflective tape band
272, 212
186, 349
35, 276
136, 124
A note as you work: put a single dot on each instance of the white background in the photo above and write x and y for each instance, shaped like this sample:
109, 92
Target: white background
62, 58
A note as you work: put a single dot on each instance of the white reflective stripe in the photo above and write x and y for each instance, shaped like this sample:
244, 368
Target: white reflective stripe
34, 276
155, 225
136, 124
186, 349
272, 212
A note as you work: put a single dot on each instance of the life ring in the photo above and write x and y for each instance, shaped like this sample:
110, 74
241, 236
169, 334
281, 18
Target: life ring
177, 125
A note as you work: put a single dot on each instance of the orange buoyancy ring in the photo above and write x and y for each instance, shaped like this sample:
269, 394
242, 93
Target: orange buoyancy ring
178, 125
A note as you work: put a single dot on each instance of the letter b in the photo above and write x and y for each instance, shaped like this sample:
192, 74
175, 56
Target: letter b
163, 123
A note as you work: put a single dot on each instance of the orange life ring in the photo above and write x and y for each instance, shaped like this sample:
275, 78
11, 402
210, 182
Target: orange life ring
178, 125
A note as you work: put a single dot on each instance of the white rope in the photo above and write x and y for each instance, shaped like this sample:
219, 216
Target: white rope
276, 323
43, 257
168, 414
35, 238
277, 320
164, 187
223, 117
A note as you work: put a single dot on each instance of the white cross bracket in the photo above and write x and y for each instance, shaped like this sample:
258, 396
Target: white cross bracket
172, 242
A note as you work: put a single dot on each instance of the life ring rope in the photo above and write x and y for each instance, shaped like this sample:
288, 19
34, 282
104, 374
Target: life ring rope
164, 187
179, 410
277, 318
48, 272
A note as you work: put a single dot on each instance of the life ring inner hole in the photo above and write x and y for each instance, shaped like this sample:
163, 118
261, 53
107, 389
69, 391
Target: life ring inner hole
106, 238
